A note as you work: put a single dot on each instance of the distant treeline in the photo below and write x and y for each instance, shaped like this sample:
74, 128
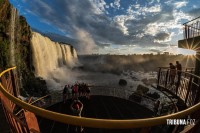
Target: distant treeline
117, 63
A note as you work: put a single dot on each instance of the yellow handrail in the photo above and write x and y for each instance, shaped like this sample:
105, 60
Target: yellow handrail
32, 103
96, 123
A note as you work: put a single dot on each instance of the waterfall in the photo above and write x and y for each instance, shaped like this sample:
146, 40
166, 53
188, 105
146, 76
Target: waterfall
12, 35
52, 60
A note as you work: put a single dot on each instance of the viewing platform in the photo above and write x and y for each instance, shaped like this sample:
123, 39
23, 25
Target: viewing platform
101, 107
191, 35
110, 111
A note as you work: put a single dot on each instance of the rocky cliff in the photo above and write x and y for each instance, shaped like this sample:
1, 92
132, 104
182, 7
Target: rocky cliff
19, 47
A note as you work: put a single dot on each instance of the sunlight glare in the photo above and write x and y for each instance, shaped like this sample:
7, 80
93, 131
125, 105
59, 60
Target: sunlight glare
186, 51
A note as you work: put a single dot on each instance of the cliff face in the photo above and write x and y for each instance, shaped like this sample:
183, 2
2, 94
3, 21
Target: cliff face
13, 29
19, 47
5, 12
15, 50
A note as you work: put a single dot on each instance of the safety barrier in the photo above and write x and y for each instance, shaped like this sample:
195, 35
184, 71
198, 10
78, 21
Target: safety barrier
144, 124
192, 28
123, 93
185, 85
24, 122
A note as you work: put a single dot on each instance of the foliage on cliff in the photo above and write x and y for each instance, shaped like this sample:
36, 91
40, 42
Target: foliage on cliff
28, 82
4, 35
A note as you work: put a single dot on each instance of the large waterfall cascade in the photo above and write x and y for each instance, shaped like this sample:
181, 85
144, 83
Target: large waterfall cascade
14, 14
49, 56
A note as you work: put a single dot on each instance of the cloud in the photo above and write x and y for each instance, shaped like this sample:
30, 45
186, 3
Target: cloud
115, 4
152, 9
155, 50
194, 12
99, 6
162, 37
87, 44
94, 23
180, 4
120, 20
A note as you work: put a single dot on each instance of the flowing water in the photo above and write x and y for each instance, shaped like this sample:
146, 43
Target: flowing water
12, 35
53, 61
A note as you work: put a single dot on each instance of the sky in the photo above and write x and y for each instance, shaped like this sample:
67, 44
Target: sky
113, 26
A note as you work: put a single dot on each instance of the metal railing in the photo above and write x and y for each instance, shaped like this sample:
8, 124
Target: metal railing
144, 100
18, 124
186, 86
192, 28
144, 124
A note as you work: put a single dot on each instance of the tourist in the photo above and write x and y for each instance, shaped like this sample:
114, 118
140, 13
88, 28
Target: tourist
172, 73
80, 88
69, 91
65, 93
179, 69
87, 91
74, 91
76, 108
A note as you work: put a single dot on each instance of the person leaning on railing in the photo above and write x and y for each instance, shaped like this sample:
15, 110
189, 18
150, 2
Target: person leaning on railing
179, 69
172, 73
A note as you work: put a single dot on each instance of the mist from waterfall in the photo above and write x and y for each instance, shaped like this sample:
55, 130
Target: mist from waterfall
53, 61
12, 35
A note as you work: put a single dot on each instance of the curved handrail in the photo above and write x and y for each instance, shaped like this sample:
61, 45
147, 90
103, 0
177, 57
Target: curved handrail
96, 123
185, 72
33, 103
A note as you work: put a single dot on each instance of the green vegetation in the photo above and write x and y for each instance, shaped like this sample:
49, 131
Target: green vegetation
4, 54
1, 2
30, 85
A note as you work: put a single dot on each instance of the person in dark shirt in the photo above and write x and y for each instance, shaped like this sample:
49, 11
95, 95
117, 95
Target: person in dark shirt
65, 93
172, 73
179, 69
178, 66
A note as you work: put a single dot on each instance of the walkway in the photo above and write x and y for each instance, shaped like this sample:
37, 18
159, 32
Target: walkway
103, 107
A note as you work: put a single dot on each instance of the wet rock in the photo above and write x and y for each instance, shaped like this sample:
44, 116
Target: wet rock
142, 89
134, 78
149, 81
135, 97
154, 95
122, 82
